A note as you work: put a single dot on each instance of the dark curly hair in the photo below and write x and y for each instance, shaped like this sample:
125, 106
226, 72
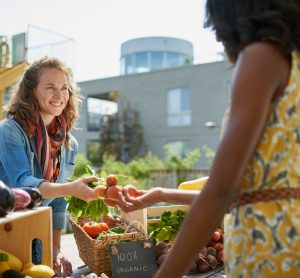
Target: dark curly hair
237, 23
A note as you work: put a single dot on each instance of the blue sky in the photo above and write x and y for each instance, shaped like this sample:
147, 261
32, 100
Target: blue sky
98, 27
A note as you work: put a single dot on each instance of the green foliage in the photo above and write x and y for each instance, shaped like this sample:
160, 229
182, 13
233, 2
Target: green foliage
176, 159
136, 172
80, 163
168, 225
209, 154
79, 207
139, 169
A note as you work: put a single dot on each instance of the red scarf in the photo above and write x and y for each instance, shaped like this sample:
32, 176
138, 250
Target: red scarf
48, 144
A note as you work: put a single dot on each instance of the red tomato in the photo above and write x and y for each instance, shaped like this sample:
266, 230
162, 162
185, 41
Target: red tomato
100, 190
111, 180
92, 229
103, 226
131, 189
112, 195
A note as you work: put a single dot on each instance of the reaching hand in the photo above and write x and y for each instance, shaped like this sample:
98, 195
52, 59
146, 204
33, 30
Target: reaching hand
61, 266
144, 199
81, 190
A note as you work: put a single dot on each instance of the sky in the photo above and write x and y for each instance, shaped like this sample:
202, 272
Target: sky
95, 29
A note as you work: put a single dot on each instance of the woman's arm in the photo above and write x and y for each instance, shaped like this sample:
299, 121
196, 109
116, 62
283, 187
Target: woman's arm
77, 188
16, 168
155, 195
261, 72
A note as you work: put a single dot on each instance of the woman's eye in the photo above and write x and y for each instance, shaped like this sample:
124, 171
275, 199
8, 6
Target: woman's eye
50, 88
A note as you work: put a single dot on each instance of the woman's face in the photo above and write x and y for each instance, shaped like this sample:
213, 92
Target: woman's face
52, 93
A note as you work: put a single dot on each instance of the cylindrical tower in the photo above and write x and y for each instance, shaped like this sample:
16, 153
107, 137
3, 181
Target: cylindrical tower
154, 53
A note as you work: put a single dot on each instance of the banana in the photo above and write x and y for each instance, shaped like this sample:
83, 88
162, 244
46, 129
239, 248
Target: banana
196, 184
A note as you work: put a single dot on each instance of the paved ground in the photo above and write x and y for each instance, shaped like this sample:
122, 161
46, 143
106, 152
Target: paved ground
69, 248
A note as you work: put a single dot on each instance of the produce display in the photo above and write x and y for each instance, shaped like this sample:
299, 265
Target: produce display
107, 189
12, 199
11, 266
164, 232
7, 199
80, 208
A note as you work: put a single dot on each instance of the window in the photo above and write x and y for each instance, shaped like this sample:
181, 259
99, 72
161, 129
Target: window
157, 58
141, 62
127, 64
172, 59
179, 107
97, 108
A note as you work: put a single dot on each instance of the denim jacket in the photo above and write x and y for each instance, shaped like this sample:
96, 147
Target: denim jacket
19, 165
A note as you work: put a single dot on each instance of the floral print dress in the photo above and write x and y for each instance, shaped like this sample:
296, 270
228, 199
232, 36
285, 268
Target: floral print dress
263, 239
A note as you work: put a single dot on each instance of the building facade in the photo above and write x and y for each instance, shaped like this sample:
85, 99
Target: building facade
180, 104
154, 53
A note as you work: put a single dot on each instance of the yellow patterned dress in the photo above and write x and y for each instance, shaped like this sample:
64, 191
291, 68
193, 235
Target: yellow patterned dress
263, 239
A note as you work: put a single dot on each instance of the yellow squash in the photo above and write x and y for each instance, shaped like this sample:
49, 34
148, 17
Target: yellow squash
196, 184
13, 262
38, 271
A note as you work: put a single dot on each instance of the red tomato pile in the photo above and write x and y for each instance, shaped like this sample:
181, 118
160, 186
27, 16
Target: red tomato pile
94, 229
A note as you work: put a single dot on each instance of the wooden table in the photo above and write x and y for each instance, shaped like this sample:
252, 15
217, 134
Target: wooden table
18, 229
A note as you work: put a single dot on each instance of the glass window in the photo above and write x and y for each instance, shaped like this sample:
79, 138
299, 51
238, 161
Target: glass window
172, 59
185, 60
97, 108
179, 107
156, 60
122, 65
141, 62
128, 64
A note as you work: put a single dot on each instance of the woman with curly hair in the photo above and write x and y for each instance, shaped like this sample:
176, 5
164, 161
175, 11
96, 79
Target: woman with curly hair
256, 171
37, 149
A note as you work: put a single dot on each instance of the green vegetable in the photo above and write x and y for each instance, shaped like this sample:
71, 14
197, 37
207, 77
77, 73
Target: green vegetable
112, 231
167, 227
78, 207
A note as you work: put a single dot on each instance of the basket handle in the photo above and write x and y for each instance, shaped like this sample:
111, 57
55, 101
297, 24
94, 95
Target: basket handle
137, 225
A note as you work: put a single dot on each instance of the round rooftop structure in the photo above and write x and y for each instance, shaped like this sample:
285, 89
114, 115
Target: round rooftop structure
154, 53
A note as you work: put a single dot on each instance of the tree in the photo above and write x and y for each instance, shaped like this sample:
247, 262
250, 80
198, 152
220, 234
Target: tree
122, 135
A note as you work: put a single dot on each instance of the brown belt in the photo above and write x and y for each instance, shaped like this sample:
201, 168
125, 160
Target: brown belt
266, 196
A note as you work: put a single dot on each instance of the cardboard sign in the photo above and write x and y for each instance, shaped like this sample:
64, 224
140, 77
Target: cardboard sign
134, 259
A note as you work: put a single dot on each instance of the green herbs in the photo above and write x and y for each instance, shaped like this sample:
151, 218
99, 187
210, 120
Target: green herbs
167, 227
112, 231
79, 207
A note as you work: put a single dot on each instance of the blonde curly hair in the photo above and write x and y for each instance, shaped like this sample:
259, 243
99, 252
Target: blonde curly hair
23, 106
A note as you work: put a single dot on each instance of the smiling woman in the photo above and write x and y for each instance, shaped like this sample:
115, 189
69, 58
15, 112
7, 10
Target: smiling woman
37, 148
52, 94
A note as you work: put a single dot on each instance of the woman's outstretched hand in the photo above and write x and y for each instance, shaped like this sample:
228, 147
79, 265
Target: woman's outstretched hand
144, 198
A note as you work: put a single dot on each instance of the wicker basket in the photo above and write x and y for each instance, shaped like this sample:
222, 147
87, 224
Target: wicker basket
95, 253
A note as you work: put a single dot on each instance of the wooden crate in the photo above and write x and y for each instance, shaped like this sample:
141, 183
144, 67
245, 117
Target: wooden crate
18, 229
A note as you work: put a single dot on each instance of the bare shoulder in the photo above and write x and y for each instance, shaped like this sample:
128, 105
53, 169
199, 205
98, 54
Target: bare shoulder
267, 62
265, 53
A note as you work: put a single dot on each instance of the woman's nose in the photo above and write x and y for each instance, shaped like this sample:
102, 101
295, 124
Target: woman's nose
58, 93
